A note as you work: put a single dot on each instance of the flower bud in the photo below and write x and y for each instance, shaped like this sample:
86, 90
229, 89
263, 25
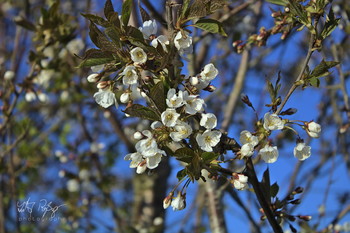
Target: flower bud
245, 99
296, 202
299, 190
194, 81
138, 135
9, 75
210, 88
237, 42
313, 129
286, 9
276, 14
141, 168
179, 203
93, 78
125, 97
305, 217
289, 111
167, 201
102, 84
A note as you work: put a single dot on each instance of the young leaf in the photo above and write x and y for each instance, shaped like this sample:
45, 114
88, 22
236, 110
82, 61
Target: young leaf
210, 25
184, 154
330, 25
181, 174
126, 11
157, 95
96, 19
108, 9
322, 69
209, 156
137, 110
315, 82
25, 24
278, 2
95, 57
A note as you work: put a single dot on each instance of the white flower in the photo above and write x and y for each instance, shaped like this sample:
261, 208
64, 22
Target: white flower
183, 41
240, 182
182, 131
301, 151
130, 75
148, 28
84, 174
136, 159
169, 117
194, 80
208, 139
44, 98
92, 78
208, 120
313, 129
73, 185
179, 203
269, 154
105, 98
209, 72
247, 150
193, 104
9, 75
138, 135
147, 147
125, 97
138, 55
174, 100
202, 84
152, 162
272, 122
162, 40
141, 168
246, 137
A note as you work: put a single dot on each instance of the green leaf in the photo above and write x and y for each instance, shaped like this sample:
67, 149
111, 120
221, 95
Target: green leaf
184, 10
271, 91
137, 110
202, 8
25, 24
95, 57
96, 19
181, 174
315, 82
184, 154
158, 96
108, 9
209, 156
322, 69
126, 11
278, 2
274, 189
210, 25
330, 25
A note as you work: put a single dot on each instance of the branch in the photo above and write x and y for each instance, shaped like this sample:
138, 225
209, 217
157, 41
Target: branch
261, 198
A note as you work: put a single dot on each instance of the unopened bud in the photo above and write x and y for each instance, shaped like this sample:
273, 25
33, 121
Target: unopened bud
305, 217
125, 97
93, 78
262, 218
286, 9
290, 197
240, 48
138, 135
245, 99
210, 88
167, 200
237, 42
102, 84
291, 218
289, 111
276, 14
9, 75
296, 202
194, 81
299, 190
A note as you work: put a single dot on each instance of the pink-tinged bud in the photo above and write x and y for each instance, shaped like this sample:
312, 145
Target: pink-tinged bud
276, 14
284, 35
93, 78
305, 217
240, 48
344, 128
236, 43
102, 84
210, 88
141, 168
167, 200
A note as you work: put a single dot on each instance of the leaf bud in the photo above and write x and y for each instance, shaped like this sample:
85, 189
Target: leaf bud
296, 202
305, 217
289, 111
210, 88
